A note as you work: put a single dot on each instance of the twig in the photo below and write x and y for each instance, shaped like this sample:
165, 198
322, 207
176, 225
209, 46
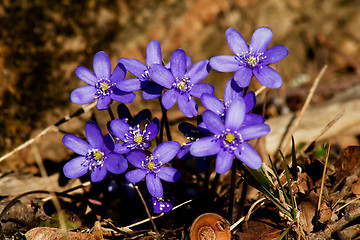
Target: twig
322, 187
54, 199
327, 127
155, 217
148, 212
51, 128
336, 226
285, 144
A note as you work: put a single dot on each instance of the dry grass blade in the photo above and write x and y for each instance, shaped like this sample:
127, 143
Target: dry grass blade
322, 187
285, 144
51, 128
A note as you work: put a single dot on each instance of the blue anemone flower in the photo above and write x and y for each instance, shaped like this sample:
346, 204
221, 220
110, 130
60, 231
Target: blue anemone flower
251, 60
183, 83
232, 91
102, 85
161, 205
152, 167
151, 90
97, 155
133, 137
230, 138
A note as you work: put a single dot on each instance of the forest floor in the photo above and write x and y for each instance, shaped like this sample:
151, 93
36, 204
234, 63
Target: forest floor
49, 39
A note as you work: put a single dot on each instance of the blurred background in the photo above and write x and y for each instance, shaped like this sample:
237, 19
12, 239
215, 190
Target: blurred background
42, 42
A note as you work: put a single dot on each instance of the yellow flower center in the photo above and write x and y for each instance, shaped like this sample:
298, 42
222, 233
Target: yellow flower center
181, 85
229, 137
252, 61
151, 165
98, 155
138, 138
104, 86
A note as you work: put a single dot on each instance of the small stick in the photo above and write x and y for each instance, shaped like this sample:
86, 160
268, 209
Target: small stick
51, 128
285, 144
260, 90
322, 187
55, 200
148, 212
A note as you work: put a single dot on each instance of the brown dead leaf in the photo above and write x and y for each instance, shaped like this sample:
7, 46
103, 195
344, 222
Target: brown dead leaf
40, 233
325, 213
261, 229
356, 188
345, 163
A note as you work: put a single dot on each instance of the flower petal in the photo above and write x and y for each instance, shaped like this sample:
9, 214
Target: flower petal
205, 146
254, 131
134, 66
236, 42
232, 91
199, 89
187, 105
169, 98
86, 75
212, 103
94, 135
178, 63
166, 151
152, 91
161, 75
115, 163
121, 96
153, 128
98, 174
275, 54
136, 175
268, 77
129, 85
213, 122
154, 185
243, 76
198, 71
224, 161
153, 53
103, 102
141, 116
260, 40
83, 95
250, 101
169, 174
249, 156
136, 157
102, 65
109, 144
235, 114
224, 63
76, 144
118, 74
121, 148
75, 168
252, 118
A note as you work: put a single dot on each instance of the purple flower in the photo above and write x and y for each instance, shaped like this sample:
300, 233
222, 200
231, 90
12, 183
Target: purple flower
232, 91
102, 84
230, 138
192, 133
253, 59
183, 84
97, 156
133, 137
161, 205
152, 167
151, 90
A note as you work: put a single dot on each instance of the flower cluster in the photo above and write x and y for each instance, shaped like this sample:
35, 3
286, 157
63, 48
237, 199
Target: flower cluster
223, 130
